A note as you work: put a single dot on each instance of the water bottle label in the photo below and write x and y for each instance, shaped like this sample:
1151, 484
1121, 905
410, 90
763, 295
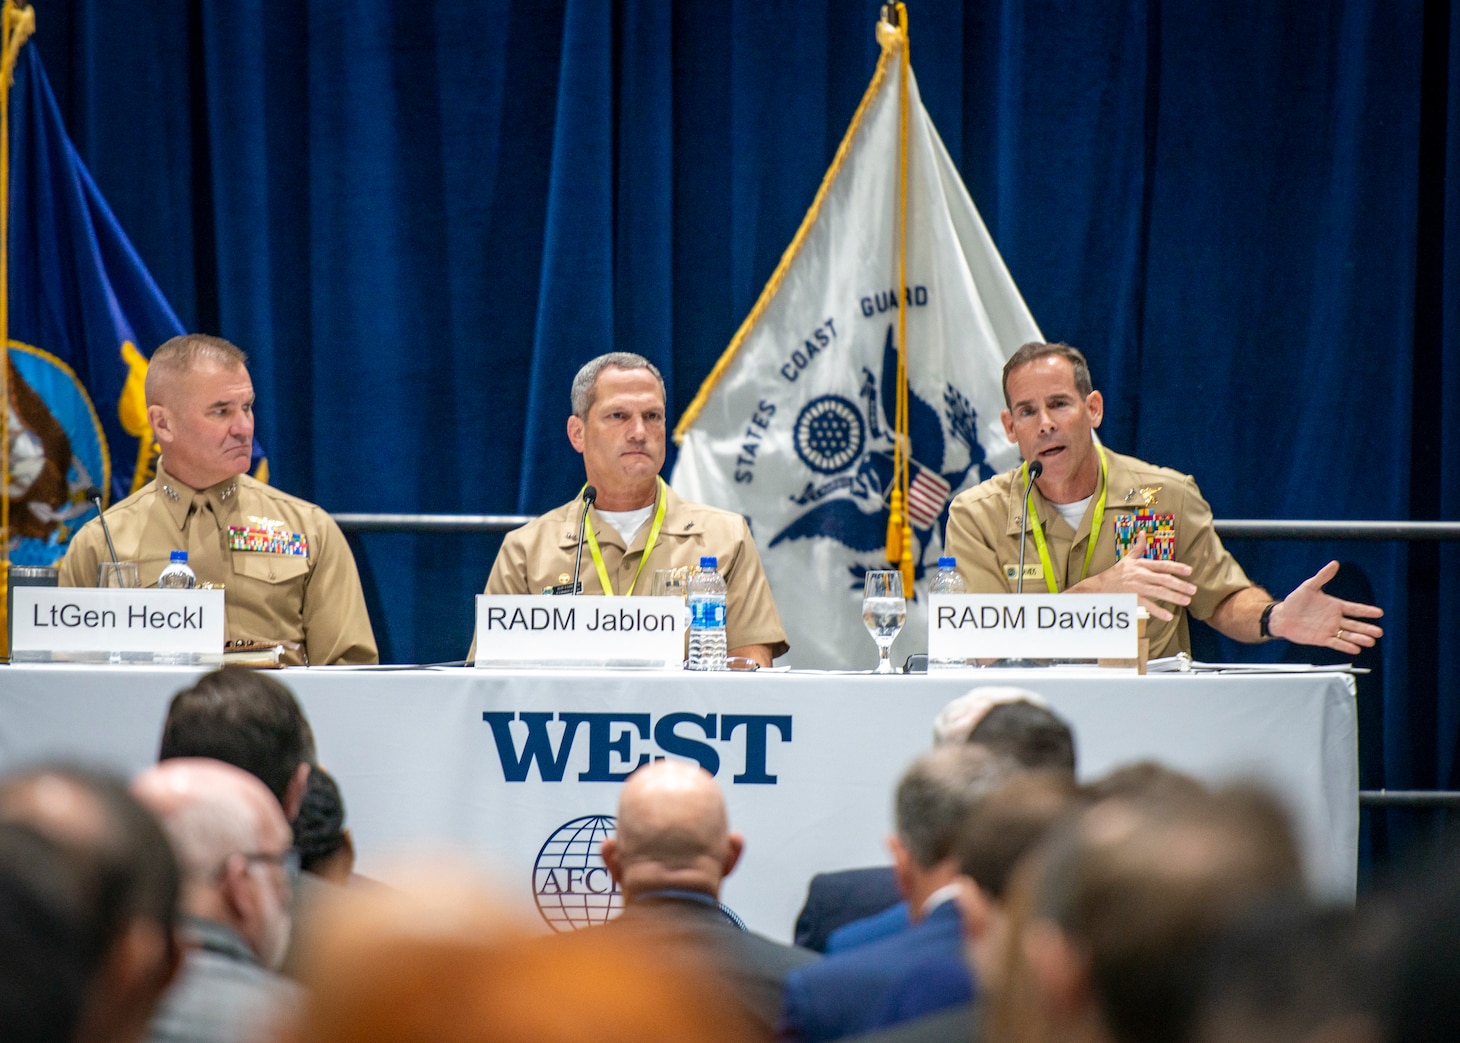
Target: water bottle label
707, 614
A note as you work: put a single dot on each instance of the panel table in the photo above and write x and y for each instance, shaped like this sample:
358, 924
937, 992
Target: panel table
498, 762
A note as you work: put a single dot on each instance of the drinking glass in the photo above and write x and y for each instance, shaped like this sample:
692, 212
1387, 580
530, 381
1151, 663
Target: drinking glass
884, 610
118, 574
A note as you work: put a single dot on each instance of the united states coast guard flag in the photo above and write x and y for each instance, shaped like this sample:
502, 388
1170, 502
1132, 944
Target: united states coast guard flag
797, 425
83, 311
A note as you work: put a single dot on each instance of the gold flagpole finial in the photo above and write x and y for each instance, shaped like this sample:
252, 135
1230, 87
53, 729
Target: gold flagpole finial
18, 24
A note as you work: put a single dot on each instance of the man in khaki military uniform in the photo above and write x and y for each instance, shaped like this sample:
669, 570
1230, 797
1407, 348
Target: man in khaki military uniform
286, 571
618, 424
1052, 410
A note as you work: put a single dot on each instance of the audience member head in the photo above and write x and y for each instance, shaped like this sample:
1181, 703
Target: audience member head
934, 796
129, 884
998, 832
1293, 972
325, 846
245, 718
672, 832
961, 715
436, 958
233, 844
1146, 780
1030, 733
1124, 905
47, 940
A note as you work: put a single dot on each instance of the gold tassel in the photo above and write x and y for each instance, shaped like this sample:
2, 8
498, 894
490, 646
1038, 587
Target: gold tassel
895, 529
905, 562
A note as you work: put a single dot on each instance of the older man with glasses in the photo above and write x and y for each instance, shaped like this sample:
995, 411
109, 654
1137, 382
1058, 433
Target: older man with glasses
238, 864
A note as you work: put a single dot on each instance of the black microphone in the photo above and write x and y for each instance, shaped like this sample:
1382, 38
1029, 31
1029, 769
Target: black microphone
1035, 470
94, 495
589, 495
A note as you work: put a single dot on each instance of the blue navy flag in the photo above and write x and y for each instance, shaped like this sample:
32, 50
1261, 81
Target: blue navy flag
795, 428
83, 314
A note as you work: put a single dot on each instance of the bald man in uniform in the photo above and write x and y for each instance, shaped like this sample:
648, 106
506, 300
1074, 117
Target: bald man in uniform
637, 525
670, 855
287, 574
1052, 410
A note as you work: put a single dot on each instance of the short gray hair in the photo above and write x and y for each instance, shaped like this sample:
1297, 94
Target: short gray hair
585, 383
938, 791
180, 354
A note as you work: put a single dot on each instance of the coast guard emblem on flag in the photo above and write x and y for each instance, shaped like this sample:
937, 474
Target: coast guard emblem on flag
848, 448
797, 425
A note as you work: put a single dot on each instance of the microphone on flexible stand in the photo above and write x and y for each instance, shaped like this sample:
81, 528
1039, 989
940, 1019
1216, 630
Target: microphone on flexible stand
589, 495
94, 495
1035, 470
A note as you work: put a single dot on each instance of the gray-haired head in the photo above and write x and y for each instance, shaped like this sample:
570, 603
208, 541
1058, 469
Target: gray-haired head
938, 791
585, 384
181, 354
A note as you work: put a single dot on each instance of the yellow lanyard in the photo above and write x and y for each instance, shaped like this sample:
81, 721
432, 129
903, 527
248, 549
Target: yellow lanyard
1043, 547
603, 580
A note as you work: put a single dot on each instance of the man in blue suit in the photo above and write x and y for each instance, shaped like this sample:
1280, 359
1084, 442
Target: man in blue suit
844, 993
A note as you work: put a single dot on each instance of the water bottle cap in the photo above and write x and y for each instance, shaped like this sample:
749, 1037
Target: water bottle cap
709, 562
947, 563
180, 555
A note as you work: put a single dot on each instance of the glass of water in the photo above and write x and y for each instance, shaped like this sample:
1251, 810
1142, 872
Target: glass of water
884, 610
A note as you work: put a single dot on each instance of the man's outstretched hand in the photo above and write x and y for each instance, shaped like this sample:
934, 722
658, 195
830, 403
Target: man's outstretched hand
1308, 616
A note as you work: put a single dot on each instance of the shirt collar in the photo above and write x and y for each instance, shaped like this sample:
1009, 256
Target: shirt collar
177, 497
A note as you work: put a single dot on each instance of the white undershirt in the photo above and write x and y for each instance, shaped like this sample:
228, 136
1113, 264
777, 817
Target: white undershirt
628, 523
1073, 512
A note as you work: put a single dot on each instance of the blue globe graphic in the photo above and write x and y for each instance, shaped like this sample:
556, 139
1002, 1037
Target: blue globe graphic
569, 880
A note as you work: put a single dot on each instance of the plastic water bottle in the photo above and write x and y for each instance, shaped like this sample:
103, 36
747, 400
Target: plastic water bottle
178, 575
947, 581
707, 618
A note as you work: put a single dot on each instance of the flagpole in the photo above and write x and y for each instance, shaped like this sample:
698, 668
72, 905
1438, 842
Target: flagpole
899, 526
16, 25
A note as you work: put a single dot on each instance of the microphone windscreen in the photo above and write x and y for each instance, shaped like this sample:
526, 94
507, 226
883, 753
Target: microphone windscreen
589, 495
1035, 469
93, 493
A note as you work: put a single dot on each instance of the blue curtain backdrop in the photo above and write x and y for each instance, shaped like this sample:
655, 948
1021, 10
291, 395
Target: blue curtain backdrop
419, 219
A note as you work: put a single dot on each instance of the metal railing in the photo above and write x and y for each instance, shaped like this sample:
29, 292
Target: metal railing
1243, 528
1408, 798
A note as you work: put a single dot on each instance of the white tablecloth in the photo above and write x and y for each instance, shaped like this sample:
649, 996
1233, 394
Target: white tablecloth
807, 761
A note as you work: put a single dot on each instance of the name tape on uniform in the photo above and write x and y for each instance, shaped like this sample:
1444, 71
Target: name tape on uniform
1032, 626
544, 630
96, 620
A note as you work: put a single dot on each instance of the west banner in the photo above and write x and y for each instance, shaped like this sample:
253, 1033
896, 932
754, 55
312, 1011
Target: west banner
796, 426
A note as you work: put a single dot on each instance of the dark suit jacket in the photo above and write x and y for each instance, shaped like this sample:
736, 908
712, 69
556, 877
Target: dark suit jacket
845, 993
753, 966
951, 1025
869, 928
834, 899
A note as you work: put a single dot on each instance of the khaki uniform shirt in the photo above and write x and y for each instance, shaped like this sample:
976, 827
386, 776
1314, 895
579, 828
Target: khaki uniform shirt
540, 555
312, 601
983, 534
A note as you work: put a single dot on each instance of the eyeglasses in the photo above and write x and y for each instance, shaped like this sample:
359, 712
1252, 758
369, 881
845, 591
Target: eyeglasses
288, 860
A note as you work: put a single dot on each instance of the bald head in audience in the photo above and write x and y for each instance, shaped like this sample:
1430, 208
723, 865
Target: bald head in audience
232, 840
672, 832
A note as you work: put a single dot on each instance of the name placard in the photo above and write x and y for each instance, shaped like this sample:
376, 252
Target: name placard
90, 621
546, 630
1032, 626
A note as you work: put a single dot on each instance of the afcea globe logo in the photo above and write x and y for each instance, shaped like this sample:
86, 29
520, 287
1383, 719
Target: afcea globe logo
573, 887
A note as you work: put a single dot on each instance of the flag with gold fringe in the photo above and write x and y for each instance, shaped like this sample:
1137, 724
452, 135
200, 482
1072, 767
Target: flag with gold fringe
863, 390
